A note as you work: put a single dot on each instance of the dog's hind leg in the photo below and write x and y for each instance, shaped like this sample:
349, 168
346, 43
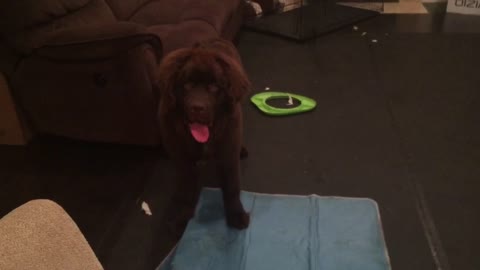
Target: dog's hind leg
243, 153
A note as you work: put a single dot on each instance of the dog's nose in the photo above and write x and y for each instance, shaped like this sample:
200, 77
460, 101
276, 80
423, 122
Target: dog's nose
197, 108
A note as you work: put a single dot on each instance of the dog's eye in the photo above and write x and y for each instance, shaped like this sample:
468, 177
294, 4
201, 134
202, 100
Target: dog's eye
213, 89
188, 86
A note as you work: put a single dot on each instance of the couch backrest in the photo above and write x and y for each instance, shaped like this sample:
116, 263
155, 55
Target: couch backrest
124, 9
26, 24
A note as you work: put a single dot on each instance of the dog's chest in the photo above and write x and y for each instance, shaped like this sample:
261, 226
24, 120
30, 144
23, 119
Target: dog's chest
206, 155
207, 151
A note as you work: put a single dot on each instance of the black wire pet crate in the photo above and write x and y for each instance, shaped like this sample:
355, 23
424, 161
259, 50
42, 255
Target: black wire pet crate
302, 20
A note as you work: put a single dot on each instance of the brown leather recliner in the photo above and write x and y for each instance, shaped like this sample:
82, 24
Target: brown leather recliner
84, 69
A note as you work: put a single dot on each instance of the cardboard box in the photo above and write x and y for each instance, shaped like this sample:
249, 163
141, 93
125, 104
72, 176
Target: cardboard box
468, 7
13, 130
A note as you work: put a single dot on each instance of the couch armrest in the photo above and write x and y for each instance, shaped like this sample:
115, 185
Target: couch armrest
99, 41
90, 86
40, 235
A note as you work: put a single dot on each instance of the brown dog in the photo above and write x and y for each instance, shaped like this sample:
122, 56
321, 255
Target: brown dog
200, 113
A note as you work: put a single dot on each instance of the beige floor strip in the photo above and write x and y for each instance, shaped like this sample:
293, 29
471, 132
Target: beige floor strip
402, 7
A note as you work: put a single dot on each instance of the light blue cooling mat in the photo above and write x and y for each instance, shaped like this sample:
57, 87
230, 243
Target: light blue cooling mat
285, 233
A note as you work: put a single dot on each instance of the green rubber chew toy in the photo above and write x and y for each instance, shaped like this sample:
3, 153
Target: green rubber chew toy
260, 100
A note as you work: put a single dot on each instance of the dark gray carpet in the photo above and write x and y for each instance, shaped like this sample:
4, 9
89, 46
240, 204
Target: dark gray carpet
394, 121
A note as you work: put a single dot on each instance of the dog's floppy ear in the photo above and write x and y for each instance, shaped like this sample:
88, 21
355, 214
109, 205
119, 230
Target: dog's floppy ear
168, 74
238, 84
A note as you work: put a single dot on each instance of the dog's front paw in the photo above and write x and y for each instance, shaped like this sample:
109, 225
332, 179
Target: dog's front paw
238, 219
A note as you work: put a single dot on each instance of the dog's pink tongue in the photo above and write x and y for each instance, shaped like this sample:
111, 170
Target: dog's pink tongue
200, 132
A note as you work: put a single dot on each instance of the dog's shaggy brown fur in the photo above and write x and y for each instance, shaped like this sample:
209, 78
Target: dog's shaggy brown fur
204, 84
